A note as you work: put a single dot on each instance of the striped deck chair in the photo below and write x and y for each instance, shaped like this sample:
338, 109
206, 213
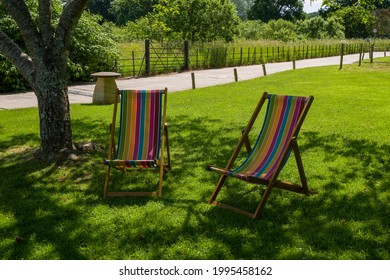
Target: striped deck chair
143, 134
283, 119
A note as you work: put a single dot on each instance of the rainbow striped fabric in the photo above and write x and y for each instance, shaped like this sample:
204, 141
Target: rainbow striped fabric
282, 116
140, 129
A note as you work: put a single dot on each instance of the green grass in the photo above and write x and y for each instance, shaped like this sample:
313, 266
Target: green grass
57, 211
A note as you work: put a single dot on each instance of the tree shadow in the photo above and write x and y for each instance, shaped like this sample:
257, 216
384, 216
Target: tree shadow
39, 218
18, 140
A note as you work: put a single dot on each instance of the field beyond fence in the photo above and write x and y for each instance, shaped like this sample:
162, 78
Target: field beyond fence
151, 58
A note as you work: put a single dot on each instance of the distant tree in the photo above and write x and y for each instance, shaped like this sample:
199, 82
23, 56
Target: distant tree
242, 7
101, 7
383, 22
43, 63
197, 20
124, 11
266, 10
358, 15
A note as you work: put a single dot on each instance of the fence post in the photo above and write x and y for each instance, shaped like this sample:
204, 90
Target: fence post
294, 64
186, 55
133, 62
372, 53
360, 54
193, 80
341, 56
147, 57
235, 75
264, 70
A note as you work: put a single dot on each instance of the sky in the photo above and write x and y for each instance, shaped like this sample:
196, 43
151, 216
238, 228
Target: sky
313, 7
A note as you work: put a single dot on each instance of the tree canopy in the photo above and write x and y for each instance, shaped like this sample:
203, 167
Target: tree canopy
266, 10
197, 20
360, 17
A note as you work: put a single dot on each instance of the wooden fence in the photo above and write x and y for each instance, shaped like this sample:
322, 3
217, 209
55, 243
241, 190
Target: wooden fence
177, 57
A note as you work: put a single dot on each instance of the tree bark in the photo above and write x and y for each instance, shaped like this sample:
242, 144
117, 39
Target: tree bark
51, 90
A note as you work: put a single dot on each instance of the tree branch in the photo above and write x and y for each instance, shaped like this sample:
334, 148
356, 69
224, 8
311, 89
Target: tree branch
20, 13
45, 21
17, 57
71, 14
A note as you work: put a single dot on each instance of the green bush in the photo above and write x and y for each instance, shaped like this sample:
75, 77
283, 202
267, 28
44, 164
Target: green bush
281, 30
251, 29
319, 28
92, 48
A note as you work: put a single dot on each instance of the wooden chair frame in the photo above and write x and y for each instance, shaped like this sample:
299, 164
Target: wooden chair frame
162, 167
273, 182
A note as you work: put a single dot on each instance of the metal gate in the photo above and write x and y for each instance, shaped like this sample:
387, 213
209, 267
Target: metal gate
165, 57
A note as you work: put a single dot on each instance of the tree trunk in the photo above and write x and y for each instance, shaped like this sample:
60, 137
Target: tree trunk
53, 106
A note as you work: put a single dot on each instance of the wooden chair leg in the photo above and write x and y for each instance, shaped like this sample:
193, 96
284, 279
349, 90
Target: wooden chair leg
301, 171
161, 179
263, 200
107, 179
168, 150
247, 142
217, 189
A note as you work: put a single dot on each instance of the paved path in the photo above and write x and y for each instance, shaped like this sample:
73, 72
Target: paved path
179, 81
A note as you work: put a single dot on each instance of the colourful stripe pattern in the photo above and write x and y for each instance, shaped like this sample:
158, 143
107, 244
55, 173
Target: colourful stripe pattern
282, 116
140, 129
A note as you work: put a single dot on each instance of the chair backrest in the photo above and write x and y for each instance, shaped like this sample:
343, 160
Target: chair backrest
282, 121
140, 124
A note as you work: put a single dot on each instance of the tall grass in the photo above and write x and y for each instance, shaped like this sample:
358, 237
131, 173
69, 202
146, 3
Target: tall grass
57, 210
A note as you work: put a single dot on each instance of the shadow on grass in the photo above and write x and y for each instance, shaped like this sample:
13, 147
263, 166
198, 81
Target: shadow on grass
37, 218
18, 140
59, 212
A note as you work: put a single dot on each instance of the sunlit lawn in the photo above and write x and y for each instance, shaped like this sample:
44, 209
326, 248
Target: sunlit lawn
57, 211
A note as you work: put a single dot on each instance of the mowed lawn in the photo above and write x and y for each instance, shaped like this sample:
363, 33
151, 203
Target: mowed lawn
57, 210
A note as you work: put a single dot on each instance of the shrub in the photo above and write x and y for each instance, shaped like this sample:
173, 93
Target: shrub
281, 30
251, 29
92, 49
319, 28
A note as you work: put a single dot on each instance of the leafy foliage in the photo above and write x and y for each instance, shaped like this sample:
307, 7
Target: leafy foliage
251, 29
266, 10
93, 49
280, 29
124, 11
319, 28
197, 20
283, 30
359, 17
243, 7
102, 8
